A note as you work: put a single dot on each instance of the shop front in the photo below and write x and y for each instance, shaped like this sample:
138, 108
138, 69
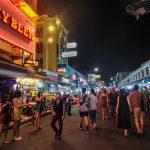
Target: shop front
64, 85
17, 45
16, 34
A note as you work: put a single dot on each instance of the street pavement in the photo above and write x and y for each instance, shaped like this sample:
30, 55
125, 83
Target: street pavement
107, 137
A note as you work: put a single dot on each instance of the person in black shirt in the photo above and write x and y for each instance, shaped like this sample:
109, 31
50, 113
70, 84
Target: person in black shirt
83, 109
5, 115
69, 104
113, 96
58, 113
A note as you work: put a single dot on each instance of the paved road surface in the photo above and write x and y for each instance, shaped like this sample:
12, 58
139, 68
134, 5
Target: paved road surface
108, 137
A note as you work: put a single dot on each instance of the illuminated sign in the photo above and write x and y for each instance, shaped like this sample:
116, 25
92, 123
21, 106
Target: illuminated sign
15, 27
14, 24
94, 76
69, 54
64, 80
50, 73
61, 70
71, 45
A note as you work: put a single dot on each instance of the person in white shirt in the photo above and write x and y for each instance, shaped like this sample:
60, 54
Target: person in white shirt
93, 105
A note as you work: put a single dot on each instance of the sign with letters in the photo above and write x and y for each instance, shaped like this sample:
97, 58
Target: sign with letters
15, 27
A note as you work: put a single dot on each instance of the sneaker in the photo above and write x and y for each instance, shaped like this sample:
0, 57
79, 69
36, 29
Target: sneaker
87, 132
79, 127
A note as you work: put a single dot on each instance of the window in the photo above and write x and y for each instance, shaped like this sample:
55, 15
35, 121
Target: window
39, 47
139, 75
39, 32
41, 61
142, 73
136, 76
147, 71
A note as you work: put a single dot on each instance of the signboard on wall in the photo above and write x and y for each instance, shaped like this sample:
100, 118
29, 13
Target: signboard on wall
71, 45
15, 27
69, 54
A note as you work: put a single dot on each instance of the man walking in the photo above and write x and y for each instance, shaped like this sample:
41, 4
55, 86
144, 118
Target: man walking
93, 105
58, 113
135, 98
112, 99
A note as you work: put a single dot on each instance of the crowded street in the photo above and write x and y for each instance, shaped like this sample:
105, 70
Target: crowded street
74, 75
106, 137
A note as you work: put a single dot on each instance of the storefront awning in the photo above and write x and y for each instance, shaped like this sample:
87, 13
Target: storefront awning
14, 70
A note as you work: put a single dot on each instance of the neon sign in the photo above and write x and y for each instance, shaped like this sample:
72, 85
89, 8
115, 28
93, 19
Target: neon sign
15, 27
14, 24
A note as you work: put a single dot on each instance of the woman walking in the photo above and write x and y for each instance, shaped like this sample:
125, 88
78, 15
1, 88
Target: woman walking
104, 103
39, 111
123, 112
93, 105
83, 109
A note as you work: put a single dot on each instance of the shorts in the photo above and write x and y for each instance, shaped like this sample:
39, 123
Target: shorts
138, 113
84, 114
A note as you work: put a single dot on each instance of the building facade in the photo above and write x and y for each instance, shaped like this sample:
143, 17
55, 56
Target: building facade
17, 49
31, 3
140, 76
51, 42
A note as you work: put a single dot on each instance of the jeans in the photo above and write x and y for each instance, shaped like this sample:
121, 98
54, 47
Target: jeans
69, 110
58, 131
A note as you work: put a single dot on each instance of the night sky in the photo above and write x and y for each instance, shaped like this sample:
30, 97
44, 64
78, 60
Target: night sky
106, 35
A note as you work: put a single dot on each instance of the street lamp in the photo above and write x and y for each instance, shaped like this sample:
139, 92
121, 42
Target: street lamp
51, 28
50, 40
58, 22
96, 69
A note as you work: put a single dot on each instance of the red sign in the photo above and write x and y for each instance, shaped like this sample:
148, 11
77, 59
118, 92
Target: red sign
15, 27
61, 70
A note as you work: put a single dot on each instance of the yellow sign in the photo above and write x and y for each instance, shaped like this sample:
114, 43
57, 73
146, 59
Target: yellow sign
98, 76
95, 76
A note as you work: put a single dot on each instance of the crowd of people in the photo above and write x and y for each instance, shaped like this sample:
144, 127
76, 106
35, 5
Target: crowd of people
121, 105
117, 105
